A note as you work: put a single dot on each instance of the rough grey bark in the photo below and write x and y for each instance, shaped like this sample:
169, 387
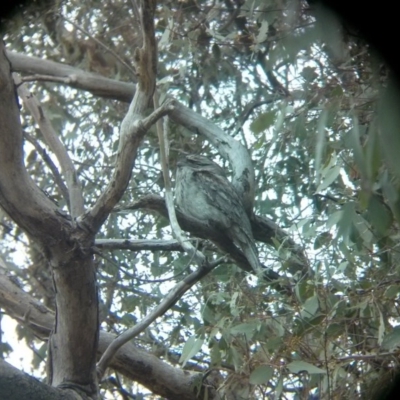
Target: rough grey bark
16, 385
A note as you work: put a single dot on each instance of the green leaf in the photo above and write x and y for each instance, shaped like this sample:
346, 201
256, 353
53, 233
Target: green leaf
379, 215
354, 141
389, 121
329, 177
345, 224
391, 193
166, 36
310, 307
208, 315
279, 387
235, 310
247, 329
262, 32
373, 153
300, 366
391, 341
334, 218
274, 343
280, 118
261, 375
320, 145
334, 330
235, 358
128, 319
215, 354
381, 330
303, 325
337, 91
262, 122
190, 349
363, 230
303, 290
130, 302
322, 239
39, 355
392, 291
309, 74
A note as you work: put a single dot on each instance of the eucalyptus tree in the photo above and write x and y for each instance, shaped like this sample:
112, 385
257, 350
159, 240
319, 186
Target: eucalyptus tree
119, 293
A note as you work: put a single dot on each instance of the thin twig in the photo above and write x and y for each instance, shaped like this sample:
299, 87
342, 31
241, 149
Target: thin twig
172, 297
138, 244
367, 356
49, 162
249, 108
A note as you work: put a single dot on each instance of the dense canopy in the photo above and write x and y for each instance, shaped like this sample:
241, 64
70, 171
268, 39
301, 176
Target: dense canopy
301, 115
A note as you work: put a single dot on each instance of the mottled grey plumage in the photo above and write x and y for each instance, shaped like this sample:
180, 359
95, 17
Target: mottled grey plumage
203, 192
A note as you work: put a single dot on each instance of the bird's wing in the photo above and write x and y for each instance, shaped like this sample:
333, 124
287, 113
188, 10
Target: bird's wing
230, 216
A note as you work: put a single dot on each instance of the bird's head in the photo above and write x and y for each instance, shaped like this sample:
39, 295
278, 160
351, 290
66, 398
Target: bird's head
200, 163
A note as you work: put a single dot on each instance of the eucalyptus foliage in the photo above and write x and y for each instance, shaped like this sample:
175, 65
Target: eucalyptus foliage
318, 112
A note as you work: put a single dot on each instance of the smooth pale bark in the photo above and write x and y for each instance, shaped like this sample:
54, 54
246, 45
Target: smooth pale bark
67, 247
73, 77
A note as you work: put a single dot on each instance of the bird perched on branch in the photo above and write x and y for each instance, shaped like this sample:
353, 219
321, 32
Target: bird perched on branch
203, 192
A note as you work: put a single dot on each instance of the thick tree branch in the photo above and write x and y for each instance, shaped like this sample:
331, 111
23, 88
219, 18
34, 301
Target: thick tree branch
74, 77
134, 363
15, 385
24, 202
75, 338
134, 126
74, 188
